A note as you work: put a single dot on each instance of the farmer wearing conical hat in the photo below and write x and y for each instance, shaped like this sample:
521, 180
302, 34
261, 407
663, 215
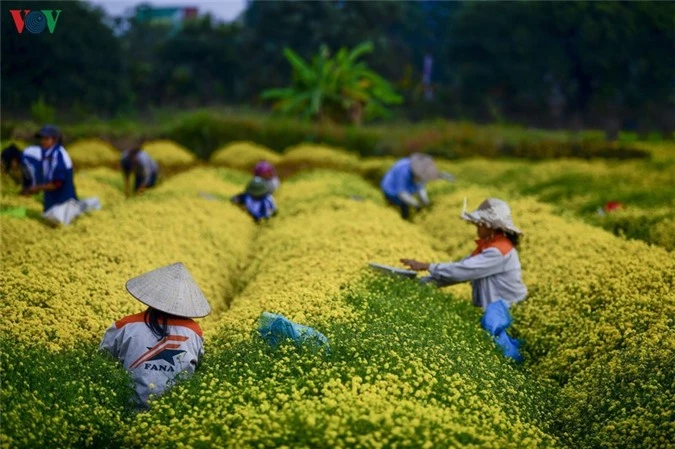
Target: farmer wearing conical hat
163, 341
257, 199
404, 185
493, 268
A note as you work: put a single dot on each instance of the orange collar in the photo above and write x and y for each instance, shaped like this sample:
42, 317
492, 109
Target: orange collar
499, 241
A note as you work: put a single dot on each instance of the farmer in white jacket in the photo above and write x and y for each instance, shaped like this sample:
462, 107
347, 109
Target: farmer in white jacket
163, 341
145, 169
493, 268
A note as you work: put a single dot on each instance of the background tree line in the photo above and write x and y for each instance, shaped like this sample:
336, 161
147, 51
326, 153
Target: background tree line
560, 64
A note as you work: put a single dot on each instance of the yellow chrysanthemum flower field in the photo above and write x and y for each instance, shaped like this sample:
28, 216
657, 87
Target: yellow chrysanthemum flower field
169, 154
408, 365
598, 321
93, 152
243, 155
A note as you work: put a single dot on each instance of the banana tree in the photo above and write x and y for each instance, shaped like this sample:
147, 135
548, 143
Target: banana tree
341, 88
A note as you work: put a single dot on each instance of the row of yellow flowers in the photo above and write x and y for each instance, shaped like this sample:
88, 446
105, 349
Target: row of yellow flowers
646, 187
61, 288
598, 320
96, 152
298, 264
305, 262
315, 246
79, 271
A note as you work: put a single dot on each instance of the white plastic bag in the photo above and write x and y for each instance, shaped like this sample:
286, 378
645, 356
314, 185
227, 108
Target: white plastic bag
68, 211
91, 203
63, 213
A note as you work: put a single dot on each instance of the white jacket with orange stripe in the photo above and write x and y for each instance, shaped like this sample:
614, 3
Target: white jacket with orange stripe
154, 362
493, 269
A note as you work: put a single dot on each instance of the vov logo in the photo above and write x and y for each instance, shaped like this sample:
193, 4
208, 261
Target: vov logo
35, 21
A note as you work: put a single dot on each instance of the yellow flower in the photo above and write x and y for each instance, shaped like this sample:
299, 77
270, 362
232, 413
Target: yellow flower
169, 154
243, 155
93, 152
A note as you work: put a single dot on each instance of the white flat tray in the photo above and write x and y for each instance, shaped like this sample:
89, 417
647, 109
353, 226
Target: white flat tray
393, 270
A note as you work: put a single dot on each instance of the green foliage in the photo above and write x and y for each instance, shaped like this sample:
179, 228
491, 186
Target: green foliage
402, 326
597, 54
339, 88
607, 62
272, 26
7, 128
204, 131
195, 65
625, 402
74, 398
41, 112
82, 60
651, 225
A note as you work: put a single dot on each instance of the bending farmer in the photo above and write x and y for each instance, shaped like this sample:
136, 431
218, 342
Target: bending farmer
493, 268
144, 167
25, 167
257, 200
162, 342
266, 171
407, 178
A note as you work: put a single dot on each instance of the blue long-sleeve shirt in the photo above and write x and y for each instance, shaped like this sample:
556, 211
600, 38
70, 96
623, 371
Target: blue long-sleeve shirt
258, 208
58, 167
400, 179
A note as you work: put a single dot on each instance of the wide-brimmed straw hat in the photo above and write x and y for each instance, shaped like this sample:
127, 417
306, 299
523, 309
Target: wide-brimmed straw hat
423, 167
170, 289
493, 213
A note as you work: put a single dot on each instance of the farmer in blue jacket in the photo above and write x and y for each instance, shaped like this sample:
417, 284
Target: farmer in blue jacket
404, 185
57, 169
25, 167
257, 199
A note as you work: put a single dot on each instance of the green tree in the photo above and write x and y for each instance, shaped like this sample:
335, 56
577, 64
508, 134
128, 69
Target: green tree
341, 88
606, 57
141, 43
195, 64
269, 27
199, 64
79, 64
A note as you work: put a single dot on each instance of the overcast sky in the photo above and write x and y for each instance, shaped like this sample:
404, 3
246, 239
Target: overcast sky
226, 10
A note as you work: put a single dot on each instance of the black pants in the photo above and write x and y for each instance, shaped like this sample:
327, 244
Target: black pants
396, 201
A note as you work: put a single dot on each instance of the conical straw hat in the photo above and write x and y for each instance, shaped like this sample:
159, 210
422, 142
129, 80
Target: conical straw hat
170, 289
493, 213
423, 167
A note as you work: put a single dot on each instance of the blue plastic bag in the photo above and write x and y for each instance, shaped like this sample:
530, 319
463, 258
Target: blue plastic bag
496, 320
509, 346
496, 317
275, 328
